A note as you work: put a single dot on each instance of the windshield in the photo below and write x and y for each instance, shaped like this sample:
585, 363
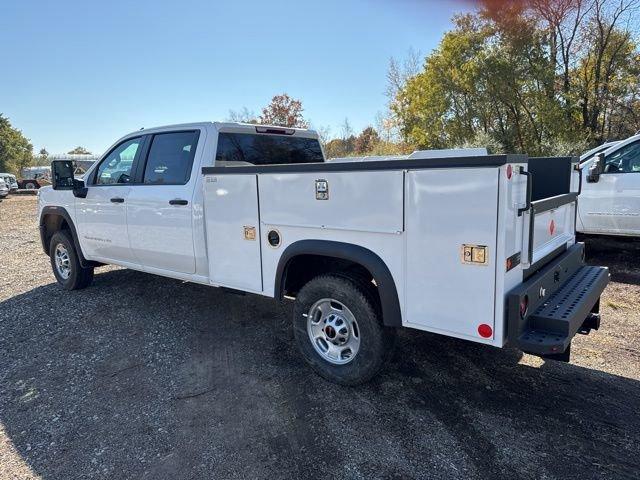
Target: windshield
265, 149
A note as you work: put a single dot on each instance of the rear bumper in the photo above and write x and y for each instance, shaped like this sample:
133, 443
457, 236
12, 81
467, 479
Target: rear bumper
562, 299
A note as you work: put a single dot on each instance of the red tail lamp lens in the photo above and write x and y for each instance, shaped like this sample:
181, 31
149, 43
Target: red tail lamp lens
524, 306
509, 171
485, 331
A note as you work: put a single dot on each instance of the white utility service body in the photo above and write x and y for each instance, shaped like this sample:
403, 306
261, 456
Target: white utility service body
459, 246
415, 218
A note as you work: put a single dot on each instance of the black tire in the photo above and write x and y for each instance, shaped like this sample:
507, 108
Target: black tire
376, 341
78, 277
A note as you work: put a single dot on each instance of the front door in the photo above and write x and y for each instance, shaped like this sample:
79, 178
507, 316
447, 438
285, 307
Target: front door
612, 204
159, 207
102, 214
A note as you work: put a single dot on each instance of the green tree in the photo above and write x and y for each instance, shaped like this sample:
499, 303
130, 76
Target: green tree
43, 157
366, 141
533, 76
79, 151
16, 151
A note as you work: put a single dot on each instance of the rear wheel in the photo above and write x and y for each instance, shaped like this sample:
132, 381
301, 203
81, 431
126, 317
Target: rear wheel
30, 186
66, 264
338, 329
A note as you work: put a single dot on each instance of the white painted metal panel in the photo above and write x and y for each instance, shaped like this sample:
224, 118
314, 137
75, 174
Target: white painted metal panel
511, 196
160, 234
553, 229
358, 201
446, 209
231, 204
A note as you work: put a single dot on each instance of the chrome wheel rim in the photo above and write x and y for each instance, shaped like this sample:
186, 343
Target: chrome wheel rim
333, 331
63, 261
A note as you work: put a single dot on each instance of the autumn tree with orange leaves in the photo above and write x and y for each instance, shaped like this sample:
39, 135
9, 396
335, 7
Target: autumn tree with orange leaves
283, 111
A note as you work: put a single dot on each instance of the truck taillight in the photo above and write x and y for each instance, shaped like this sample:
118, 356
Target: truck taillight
524, 306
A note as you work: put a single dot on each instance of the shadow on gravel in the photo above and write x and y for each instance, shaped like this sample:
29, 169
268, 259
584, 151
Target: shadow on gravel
144, 377
621, 255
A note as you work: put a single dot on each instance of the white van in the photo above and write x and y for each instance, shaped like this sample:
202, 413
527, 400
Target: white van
609, 202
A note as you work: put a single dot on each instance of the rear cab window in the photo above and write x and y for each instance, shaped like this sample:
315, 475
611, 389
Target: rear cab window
267, 149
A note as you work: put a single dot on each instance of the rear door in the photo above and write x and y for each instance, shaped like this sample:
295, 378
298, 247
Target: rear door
159, 207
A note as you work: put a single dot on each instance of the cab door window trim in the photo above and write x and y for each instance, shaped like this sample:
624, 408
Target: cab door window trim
144, 157
134, 166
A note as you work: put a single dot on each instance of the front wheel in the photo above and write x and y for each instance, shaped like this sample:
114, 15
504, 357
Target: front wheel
65, 263
338, 329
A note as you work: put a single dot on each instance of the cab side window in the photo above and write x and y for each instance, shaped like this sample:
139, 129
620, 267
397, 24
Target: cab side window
624, 160
116, 168
170, 158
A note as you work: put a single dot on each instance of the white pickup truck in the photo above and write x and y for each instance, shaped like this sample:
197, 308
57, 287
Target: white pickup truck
463, 246
610, 200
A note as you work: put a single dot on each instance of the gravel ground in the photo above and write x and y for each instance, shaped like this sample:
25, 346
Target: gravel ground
146, 377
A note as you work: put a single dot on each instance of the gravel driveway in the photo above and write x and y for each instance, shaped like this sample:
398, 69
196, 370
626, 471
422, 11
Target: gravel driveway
146, 377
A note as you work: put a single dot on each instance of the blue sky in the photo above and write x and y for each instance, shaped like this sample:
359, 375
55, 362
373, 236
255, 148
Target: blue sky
86, 73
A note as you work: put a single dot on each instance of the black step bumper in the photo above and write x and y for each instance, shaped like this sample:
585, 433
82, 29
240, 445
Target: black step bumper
562, 299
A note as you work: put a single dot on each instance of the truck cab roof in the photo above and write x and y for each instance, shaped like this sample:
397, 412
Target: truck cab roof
234, 127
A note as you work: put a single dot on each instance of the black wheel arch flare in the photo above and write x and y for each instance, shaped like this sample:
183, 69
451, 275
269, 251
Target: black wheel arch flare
44, 238
389, 301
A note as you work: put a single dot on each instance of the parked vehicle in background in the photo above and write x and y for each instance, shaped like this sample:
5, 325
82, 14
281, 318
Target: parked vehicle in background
4, 190
81, 167
601, 148
609, 203
477, 247
32, 178
10, 180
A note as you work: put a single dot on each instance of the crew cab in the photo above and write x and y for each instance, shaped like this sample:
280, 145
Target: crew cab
610, 200
478, 247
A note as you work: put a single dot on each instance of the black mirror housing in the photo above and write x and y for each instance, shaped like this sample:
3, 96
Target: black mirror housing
62, 175
79, 189
596, 169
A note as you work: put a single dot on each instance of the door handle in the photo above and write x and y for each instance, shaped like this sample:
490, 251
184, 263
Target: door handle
117, 200
178, 201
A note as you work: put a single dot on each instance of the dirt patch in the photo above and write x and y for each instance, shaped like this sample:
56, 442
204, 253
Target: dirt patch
145, 377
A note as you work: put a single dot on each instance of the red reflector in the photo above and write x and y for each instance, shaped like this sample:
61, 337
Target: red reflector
509, 171
552, 227
485, 330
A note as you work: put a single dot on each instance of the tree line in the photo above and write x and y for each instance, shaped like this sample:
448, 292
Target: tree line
16, 150
530, 76
543, 77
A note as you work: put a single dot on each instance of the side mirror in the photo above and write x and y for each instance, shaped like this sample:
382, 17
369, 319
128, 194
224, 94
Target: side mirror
62, 175
62, 178
596, 169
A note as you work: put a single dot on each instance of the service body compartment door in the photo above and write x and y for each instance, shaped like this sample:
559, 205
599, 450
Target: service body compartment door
446, 211
233, 231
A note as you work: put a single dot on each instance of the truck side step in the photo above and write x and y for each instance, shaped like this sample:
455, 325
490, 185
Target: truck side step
568, 310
